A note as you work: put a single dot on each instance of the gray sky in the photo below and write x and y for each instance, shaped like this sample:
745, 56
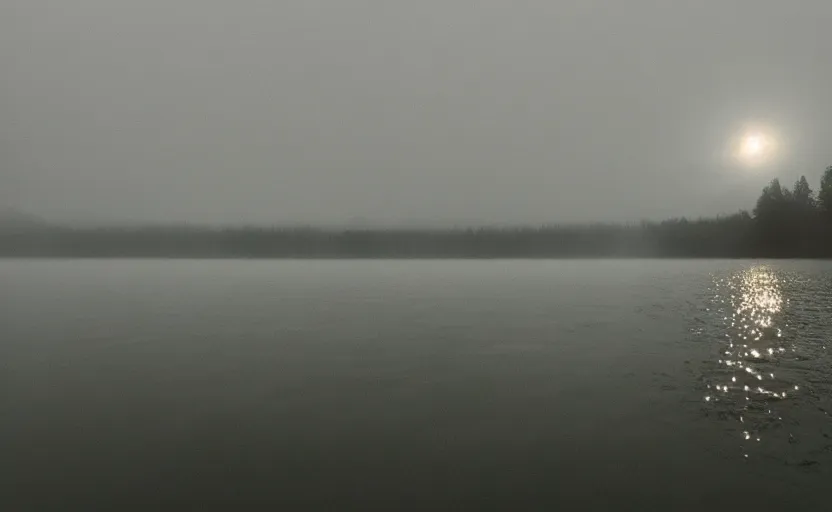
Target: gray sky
429, 111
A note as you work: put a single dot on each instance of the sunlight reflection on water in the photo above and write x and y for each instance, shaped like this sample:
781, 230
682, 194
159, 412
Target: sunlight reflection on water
751, 304
758, 379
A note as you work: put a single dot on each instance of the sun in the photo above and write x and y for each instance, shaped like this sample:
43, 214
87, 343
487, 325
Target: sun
752, 145
755, 147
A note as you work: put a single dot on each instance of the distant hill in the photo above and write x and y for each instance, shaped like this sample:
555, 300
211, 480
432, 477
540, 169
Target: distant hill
14, 220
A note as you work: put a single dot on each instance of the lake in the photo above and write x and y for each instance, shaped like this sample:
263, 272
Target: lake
389, 385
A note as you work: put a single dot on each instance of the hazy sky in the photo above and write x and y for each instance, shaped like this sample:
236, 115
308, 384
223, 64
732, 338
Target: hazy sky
428, 111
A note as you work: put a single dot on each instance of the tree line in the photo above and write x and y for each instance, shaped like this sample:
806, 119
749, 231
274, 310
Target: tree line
784, 223
796, 222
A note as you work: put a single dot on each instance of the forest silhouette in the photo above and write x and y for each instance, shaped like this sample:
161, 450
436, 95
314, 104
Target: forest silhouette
785, 223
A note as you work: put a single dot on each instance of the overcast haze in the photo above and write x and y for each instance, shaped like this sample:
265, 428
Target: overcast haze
389, 112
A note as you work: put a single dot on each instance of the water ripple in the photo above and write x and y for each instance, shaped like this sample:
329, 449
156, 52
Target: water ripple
769, 378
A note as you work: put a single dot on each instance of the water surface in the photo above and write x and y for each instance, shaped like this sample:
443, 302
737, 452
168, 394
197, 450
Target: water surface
521, 385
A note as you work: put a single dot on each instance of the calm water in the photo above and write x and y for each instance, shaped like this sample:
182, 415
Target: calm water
517, 385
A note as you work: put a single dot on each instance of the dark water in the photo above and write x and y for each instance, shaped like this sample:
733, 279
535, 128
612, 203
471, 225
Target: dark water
361, 385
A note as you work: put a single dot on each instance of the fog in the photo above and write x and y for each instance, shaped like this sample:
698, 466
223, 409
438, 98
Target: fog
403, 113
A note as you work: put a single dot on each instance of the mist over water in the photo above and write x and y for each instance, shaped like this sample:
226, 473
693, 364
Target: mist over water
415, 384
261, 255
